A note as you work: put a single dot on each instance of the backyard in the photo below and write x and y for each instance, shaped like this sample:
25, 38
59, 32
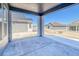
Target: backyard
65, 33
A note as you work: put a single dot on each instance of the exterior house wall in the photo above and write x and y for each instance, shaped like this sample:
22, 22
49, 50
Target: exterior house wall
78, 28
0, 30
56, 27
74, 28
19, 27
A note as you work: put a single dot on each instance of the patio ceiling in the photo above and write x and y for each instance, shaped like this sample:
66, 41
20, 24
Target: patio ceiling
38, 8
33, 6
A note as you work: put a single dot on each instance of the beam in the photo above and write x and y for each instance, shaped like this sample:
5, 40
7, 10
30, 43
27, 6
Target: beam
22, 10
60, 6
0, 5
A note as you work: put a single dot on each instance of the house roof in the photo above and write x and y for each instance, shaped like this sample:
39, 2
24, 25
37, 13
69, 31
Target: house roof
57, 24
75, 23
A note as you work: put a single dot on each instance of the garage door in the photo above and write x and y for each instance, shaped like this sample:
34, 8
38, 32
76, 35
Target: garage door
19, 27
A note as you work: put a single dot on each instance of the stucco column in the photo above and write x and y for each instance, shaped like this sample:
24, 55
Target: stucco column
41, 26
40, 20
9, 25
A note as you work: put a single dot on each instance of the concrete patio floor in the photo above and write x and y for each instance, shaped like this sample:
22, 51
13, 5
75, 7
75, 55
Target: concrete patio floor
42, 46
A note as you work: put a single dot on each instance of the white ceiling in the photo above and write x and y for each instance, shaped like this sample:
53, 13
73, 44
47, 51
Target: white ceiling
34, 6
47, 6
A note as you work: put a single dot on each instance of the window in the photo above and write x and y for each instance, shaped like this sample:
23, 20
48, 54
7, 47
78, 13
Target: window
3, 23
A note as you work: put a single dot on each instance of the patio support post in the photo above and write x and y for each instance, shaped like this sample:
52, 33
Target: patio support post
41, 26
41, 20
9, 24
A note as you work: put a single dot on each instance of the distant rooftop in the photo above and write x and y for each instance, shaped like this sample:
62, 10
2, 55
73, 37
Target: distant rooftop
75, 22
57, 24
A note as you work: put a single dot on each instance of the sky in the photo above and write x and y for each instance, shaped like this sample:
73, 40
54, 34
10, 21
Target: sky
64, 16
33, 17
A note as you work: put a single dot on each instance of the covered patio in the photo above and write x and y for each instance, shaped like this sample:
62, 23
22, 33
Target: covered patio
40, 45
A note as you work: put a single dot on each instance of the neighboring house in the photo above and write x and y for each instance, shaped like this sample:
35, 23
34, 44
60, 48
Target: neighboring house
56, 26
74, 26
20, 23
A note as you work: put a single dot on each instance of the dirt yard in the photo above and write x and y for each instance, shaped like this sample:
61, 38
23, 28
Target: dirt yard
62, 32
47, 32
